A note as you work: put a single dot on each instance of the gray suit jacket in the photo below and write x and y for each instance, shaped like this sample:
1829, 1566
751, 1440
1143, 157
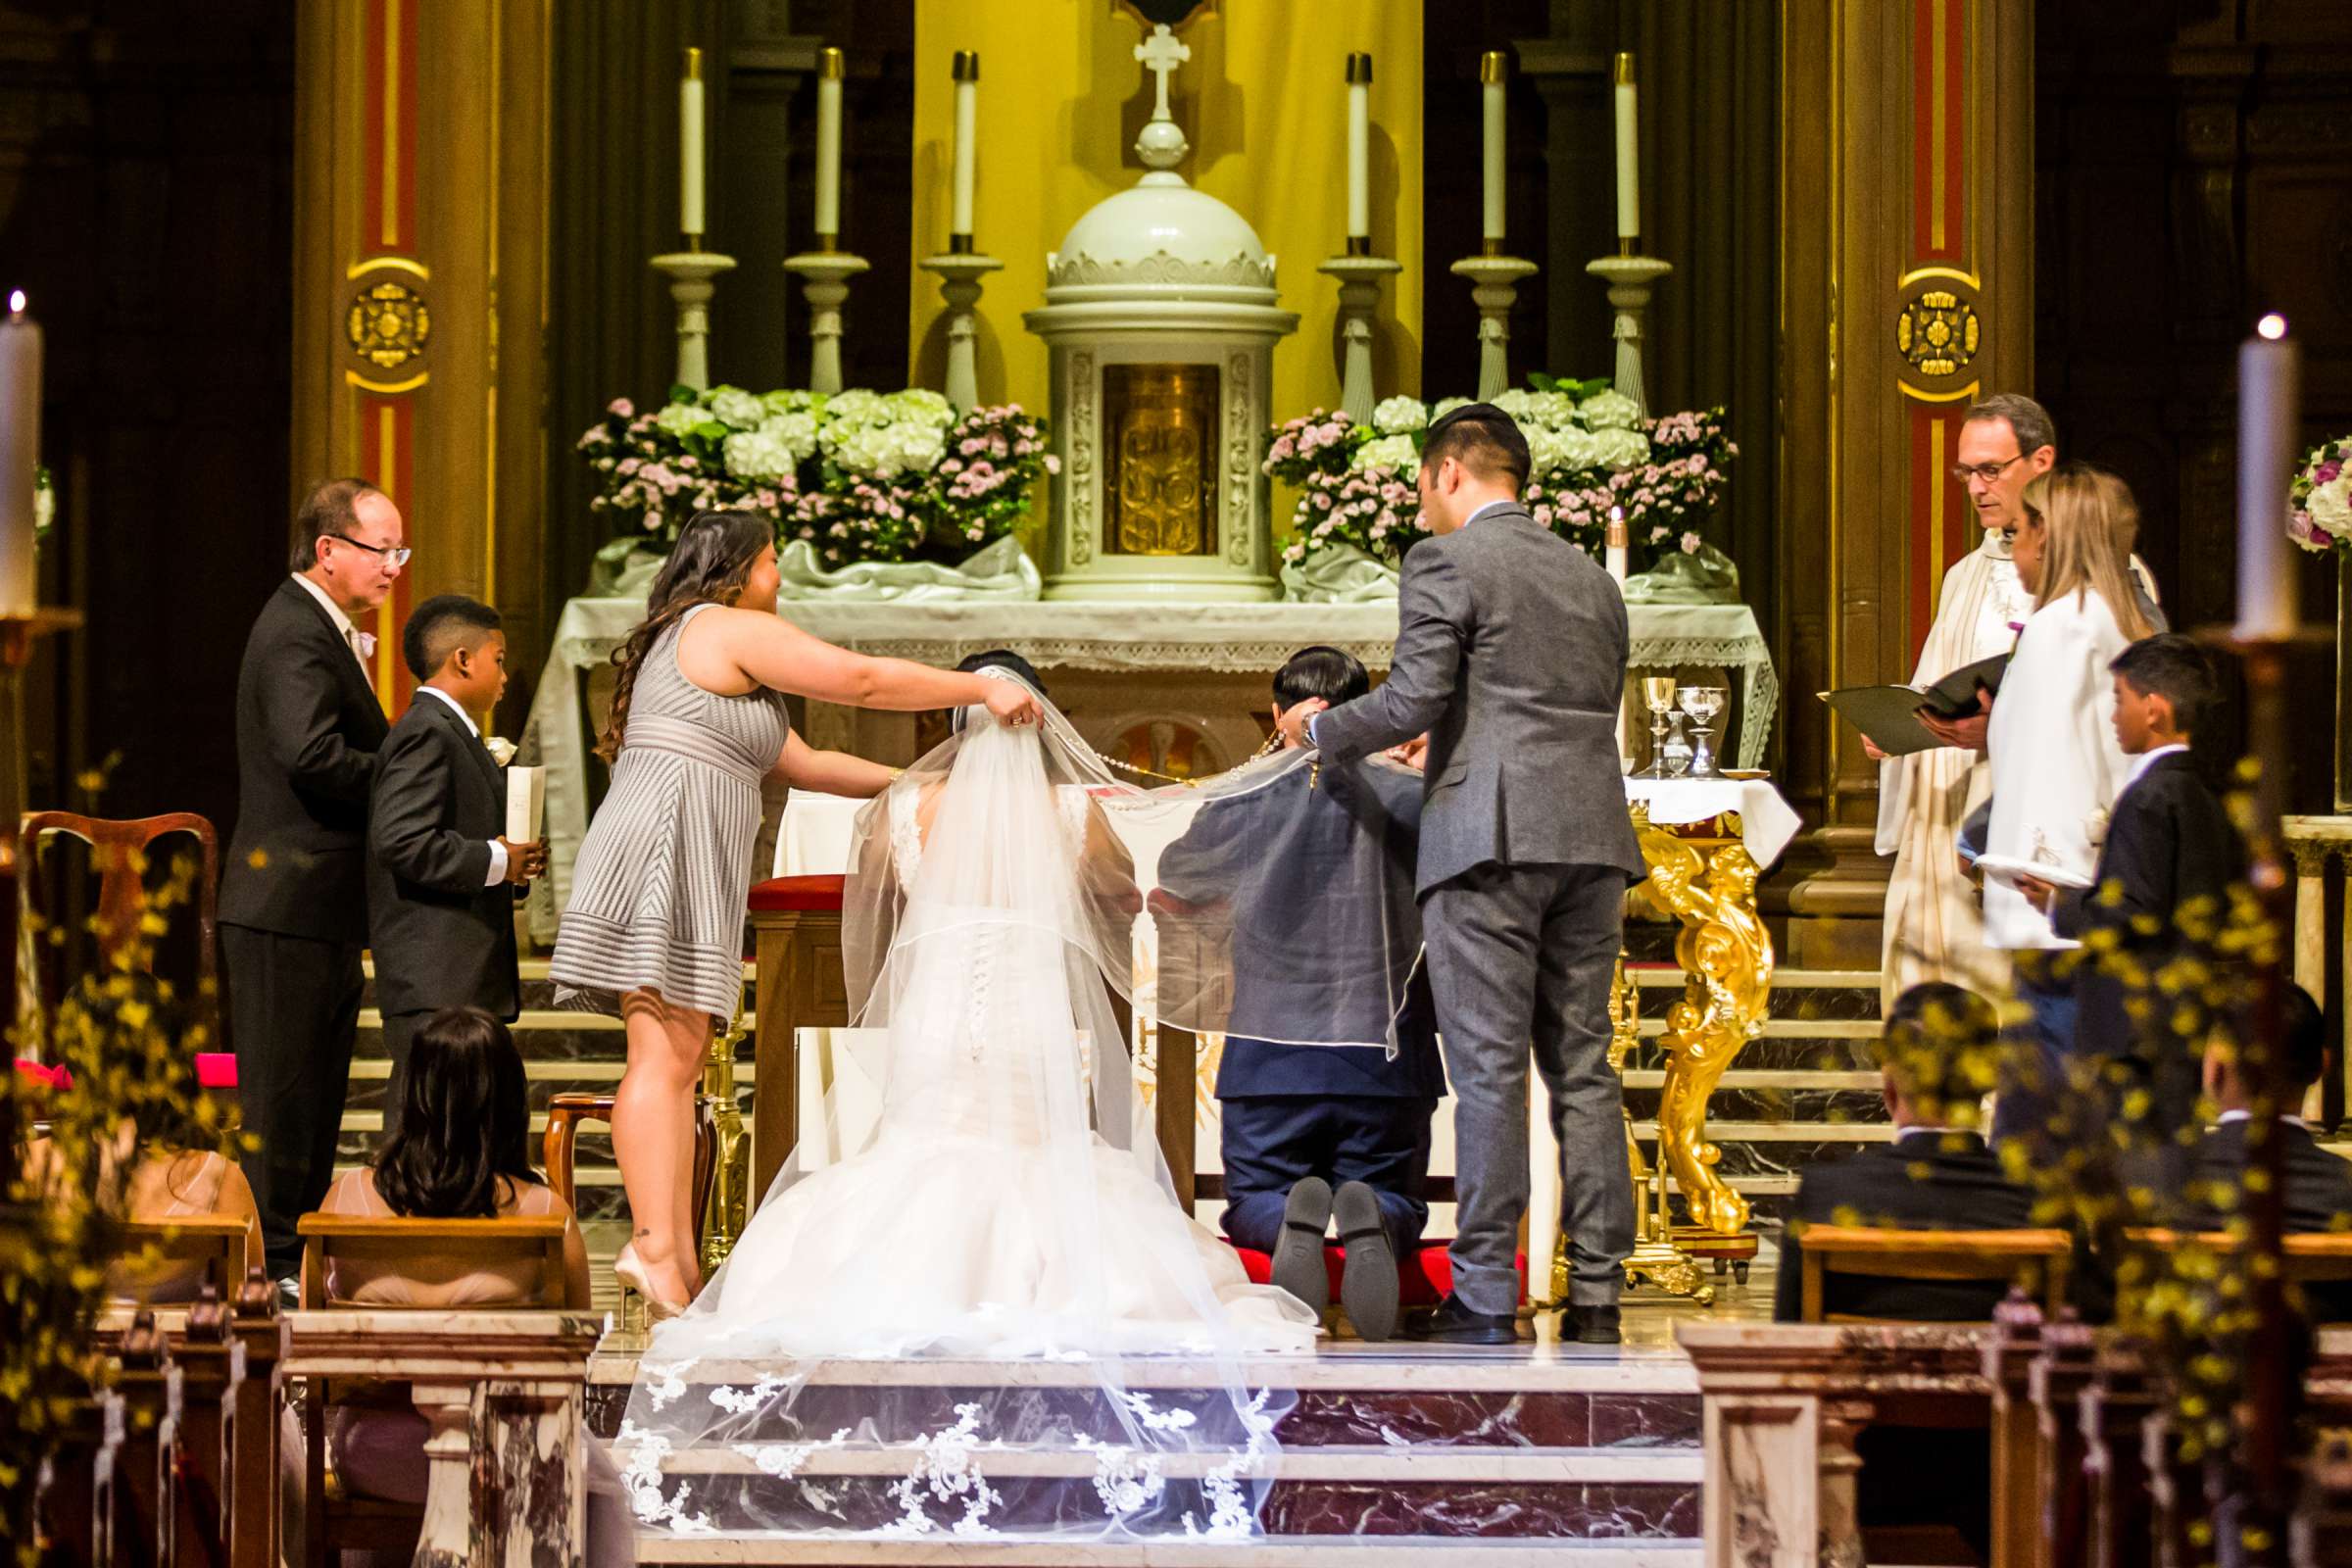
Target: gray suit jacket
1510, 653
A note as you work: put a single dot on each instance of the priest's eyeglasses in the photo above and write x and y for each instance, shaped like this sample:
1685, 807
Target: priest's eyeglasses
394, 555
1989, 472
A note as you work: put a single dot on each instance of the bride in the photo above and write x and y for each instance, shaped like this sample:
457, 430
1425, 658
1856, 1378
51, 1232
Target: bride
1010, 1204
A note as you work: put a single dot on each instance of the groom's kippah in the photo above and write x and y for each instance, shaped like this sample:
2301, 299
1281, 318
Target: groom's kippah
1481, 438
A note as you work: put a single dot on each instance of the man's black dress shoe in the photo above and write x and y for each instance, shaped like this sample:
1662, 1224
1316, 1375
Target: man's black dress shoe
289, 1292
1298, 1255
1450, 1322
1368, 1282
1591, 1325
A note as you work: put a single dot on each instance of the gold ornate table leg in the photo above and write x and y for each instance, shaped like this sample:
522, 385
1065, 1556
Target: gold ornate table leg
1709, 885
728, 1205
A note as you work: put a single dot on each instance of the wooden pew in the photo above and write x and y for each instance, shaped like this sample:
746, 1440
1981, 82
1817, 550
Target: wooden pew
2000, 1257
502, 1392
214, 1242
331, 1342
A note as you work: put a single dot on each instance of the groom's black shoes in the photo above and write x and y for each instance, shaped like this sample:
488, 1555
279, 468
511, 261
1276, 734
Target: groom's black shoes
1368, 1283
1591, 1325
1298, 1255
1450, 1322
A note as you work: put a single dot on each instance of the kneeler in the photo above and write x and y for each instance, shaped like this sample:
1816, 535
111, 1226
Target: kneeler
1424, 1276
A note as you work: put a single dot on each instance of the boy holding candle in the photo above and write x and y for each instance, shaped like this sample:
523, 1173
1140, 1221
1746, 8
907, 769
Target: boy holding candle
440, 869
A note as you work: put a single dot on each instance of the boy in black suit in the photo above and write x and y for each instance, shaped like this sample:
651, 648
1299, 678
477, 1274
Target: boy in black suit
1313, 1133
1936, 1174
2319, 1184
440, 869
2160, 890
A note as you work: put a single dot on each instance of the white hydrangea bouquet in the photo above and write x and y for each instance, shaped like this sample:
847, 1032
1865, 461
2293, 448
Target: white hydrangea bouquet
2319, 518
1589, 450
863, 478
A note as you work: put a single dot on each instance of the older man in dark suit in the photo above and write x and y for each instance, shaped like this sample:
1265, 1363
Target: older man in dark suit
1511, 657
294, 894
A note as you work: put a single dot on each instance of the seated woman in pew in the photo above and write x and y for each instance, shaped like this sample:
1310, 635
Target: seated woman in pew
461, 1152
164, 1162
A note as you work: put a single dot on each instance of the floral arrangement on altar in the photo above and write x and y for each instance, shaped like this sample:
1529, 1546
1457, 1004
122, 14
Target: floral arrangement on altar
860, 476
1590, 451
2319, 518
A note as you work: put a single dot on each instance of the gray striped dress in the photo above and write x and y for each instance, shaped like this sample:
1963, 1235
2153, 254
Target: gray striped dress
657, 889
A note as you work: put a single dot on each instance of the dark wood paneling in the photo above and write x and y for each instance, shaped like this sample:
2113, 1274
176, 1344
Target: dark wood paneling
146, 206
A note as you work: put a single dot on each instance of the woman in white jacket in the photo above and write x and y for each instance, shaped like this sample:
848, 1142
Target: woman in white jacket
2056, 766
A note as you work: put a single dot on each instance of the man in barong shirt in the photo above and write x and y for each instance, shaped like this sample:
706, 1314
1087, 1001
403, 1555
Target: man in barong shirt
1935, 925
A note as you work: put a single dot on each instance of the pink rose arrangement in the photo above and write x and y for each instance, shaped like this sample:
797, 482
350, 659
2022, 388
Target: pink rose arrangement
860, 519
1376, 510
2319, 499
980, 490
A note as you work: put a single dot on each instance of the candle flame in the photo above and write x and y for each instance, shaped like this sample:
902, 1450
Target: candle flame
16, 302
2271, 327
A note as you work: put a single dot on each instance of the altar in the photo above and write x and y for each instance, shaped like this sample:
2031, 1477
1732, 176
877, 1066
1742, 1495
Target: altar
1175, 687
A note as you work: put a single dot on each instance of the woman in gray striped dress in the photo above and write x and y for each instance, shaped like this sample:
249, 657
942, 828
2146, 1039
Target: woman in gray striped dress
654, 930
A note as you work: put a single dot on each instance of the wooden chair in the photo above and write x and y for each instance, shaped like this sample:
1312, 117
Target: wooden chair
2305, 1259
218, 1242
568, 1111
1995, 1257
117, 849
333, 1520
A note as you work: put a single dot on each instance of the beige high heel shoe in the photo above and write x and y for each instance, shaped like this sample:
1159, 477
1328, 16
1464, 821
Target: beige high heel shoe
631, 1273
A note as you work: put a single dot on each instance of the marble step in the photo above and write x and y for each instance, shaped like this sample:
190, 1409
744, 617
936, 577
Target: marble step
1372, 1463
1292, 1551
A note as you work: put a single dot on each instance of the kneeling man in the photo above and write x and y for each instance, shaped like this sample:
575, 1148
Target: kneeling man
1324, 920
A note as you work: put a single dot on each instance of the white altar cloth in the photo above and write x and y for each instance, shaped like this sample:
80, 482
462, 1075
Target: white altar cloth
1081, 635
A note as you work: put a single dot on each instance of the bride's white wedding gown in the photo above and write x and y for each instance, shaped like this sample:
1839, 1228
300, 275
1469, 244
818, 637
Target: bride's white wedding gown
1010, 1204
962, 1227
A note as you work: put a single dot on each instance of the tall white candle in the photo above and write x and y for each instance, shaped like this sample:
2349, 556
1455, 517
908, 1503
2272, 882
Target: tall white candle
1359, 147
1616, 542
2268, 402
1628, 166
968, 116
828, 145
1492, 66
20, 455
690, 145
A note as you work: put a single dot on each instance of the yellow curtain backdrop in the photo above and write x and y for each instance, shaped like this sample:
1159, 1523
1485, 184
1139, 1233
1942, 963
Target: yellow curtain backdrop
1263, 101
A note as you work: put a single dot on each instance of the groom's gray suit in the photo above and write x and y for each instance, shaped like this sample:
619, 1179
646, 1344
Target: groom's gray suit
1510, 654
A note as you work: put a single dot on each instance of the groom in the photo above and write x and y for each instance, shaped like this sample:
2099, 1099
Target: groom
1510, 654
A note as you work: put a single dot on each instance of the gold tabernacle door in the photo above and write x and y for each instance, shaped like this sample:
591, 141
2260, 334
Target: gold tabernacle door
1163, 488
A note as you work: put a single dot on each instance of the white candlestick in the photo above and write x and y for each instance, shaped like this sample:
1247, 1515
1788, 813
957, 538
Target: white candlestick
1629, 171
1359, 147
690, 146
20, 455
1492, 67
828, 145
1614, 542
2268, 378
967, 112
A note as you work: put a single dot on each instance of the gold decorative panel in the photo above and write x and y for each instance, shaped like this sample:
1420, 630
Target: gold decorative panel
1936, 333
387, 324
1161, 489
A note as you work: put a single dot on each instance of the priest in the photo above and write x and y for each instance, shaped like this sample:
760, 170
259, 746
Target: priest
1934, 926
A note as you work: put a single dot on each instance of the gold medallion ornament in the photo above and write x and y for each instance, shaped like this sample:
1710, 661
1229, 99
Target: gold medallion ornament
1936, 333
388, 324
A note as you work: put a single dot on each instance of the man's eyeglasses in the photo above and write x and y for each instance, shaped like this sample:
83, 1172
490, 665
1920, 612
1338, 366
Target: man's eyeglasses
394, 555
1987, 472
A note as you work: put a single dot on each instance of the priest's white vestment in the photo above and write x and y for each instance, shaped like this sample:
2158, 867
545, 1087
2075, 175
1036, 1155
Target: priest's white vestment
1934, 928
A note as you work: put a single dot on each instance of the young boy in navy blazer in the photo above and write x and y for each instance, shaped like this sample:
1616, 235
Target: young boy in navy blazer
440, 869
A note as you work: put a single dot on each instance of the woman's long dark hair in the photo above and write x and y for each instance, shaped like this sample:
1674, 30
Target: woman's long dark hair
708, 566
464, 1121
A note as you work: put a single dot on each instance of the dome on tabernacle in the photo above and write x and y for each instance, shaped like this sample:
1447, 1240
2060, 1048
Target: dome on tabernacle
1166, 237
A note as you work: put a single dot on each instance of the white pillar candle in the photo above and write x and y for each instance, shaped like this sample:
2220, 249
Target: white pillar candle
1615, 542
967, 120
2269, 376
20, 455
828, 143
690, 145
1491, 67
1359, 147
1629, 167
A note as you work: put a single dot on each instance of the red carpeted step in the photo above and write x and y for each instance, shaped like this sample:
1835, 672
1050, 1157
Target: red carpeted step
1423, 1278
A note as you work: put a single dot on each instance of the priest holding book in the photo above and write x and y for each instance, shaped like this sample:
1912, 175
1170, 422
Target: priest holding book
1934, 930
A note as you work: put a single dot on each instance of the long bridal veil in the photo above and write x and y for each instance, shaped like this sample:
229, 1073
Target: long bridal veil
994, 1317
